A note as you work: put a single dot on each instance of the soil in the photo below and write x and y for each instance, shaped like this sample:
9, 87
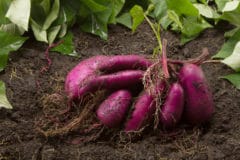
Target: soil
27, 86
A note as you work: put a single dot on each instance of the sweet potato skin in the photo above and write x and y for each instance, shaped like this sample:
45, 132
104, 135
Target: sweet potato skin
143, 110
112, 111
144, 107
119, 80
125, 62
96, 66
172, 109
198, 97
80, 74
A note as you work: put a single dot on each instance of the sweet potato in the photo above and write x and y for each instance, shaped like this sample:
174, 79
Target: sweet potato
199, 102
112, 111
88, 70
80, 74
172, 109
119, 80
125, 62
144, 108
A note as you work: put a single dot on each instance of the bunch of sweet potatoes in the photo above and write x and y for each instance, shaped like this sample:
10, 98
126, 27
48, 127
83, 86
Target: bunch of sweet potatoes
186, 96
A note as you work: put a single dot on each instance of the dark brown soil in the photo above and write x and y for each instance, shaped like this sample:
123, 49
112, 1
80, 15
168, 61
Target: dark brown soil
26, 88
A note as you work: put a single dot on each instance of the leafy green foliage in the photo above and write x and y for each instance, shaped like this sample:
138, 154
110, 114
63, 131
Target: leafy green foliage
234, 79
160, 9
184, 7
4, 5
95, 15
231, 12
10, 43
192, 27
66, 47
234, 59
19, 13
206, 11
52, 15
228, 47
137, 15
4, 103
221, 4
125, 19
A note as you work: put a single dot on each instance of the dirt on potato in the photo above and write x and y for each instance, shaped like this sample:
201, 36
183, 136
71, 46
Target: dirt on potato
27, 87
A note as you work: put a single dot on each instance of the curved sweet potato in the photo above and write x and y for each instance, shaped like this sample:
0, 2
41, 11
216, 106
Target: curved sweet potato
125, 62
144, 108
172, 109
80, 74
118, 80
91, 68
113, 110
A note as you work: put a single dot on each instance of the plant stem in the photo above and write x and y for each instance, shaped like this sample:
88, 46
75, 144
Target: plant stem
164, 59
212, 61
157, 33
202, 58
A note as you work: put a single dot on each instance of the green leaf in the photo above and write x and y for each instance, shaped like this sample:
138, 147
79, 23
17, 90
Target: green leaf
3, 58
38, 13
39, 34
4, 103
221, 4
96, 23
46, 5
67, 47
193, 1
12, 28
116, 6
137, 16
160, 9
206, 11
234, 79
233, 60
52, 33
68, 12
230, 6
228, 46
230, 33
165, 22
94, 6
4, 5
9, 43
52, 16
192, 27
231, 12
204, 1
185, 39
175, 18
125, 19
182, 7
19, 13
63, 30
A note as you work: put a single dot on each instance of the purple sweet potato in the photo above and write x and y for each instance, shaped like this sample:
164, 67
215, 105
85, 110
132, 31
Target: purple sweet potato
90, 69
118, 80
113, 110
199, 102
144, 108
125, 62
172, 109
80, 74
